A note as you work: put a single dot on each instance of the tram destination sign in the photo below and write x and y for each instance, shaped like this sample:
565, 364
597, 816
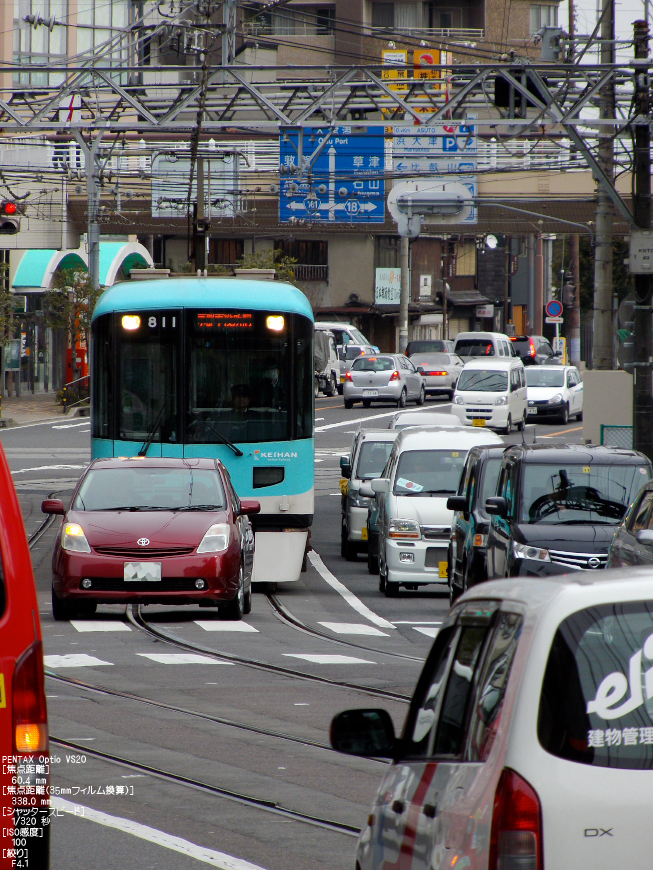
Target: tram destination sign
223, 321
345, 183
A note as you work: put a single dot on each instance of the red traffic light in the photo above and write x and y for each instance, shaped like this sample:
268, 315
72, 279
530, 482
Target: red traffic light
9, 208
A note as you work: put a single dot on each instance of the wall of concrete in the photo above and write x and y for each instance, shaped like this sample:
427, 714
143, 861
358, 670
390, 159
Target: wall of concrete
607, 400
351, 269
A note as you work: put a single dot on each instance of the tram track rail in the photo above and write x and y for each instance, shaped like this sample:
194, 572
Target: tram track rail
207, 788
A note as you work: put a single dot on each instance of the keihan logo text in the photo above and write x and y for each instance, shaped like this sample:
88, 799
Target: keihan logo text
274, 454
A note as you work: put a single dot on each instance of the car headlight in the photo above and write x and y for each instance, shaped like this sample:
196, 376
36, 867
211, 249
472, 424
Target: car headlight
555, 400
360, 501
501, 400
525, 551
403, 529
458, 400
216, 540
73, 539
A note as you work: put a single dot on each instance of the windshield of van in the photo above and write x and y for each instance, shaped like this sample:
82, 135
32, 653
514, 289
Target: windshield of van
537, 376
429, 472
147, 488
579, 493
596, 706
426, 346
372, 458
483, 381
474, 347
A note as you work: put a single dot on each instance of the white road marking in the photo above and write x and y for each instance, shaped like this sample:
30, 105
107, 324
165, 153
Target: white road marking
353, 628
97, 625
73, 660
224, 626
416, 622
48, 468
427, 630
329, 659
349, 597
182, 659
73, 425
152, 835
302, 704
375, 417
28, 425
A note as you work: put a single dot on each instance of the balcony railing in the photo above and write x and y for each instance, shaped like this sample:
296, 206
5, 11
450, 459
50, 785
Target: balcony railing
289, 27
435, 33
303, 271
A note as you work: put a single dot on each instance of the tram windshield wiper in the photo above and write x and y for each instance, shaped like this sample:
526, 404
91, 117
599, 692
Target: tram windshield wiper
237, 451
152, 432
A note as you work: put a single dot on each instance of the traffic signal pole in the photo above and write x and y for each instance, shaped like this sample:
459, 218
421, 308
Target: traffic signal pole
642, 316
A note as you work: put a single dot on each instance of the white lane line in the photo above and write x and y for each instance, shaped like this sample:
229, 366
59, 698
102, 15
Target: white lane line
49, 468
73, 425
182, 659
416, 622
224, 626
152, 835
375, 417
97, 625
349, 597
329, 659
353, 628
28, 425
73, 660
429, 631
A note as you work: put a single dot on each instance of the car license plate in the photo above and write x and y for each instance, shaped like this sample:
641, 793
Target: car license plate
444, 570
532, 410
370, 393
478, 421
139, 572
364, 533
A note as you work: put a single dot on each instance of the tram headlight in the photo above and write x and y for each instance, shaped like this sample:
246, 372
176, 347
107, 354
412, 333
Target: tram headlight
275, 322
73, 539
131, 321
216, 540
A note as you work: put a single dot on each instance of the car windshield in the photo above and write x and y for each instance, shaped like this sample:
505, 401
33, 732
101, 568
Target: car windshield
429, 472
147, 488
596, 706
579, 493
489, 482
434, 346
537, 376
373, 364
483, 381
431, 359
372, 458
474, 347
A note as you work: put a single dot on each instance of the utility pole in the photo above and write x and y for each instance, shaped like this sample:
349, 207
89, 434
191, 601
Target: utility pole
573, 321
229, 18
404, 261
602, 341
642, 319
91, 162
199, 221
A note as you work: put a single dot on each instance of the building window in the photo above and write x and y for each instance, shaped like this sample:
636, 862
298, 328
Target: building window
325, 19
383, 15
387, 252
307, 252
226, 251
37, 45
543, 16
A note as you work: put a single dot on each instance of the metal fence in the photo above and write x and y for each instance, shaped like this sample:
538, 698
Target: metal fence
617, 436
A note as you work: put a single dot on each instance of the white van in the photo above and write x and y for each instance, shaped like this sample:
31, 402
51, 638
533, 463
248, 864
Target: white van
492, 393
345, 334
484, 344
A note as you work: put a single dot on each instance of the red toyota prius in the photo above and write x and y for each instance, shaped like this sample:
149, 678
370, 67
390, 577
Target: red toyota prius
155, 531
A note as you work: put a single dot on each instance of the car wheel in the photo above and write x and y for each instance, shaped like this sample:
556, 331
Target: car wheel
367, 403
61, 609
316, 388
372, 560
522, 424
391, 589
349, 404
234, 609
348, 550
564, 417
451, 392
401, 401
422, 396
454, 593
508, 428
86, 608
247, 607
579, 416
332, 389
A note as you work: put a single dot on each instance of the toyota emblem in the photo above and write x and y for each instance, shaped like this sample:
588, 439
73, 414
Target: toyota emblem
143, 542
594, 562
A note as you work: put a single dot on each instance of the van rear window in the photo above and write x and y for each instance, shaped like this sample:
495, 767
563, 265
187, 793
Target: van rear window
474, 347
596, 705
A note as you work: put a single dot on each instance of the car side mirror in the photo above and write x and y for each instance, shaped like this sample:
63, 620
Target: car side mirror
380, 485
496, 506
457, 503
420, 369
366, 490
645, 536
249, 506
53, 506
345, 467
364, 732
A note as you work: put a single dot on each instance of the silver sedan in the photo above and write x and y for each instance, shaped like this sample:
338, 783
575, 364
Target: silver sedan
383, 378
440, 372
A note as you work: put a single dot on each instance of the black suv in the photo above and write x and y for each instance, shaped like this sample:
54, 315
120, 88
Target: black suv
533, 350
471, 523
557, 507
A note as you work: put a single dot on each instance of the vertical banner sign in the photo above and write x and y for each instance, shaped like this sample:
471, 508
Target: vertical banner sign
394, 74
345, 184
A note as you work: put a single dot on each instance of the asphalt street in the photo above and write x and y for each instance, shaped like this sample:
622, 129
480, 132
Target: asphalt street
168, 758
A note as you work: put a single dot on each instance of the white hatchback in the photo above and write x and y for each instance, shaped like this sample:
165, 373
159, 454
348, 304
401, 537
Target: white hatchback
554, 392
528, 743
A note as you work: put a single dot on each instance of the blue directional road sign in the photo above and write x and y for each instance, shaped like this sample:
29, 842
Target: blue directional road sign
345, 184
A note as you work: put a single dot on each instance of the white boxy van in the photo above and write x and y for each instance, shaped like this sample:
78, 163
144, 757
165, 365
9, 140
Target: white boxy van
483, 344
492, 393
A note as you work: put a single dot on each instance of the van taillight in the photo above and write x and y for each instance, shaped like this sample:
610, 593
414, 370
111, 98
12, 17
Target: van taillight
532, 350
28, 702
394, 376
516, 841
